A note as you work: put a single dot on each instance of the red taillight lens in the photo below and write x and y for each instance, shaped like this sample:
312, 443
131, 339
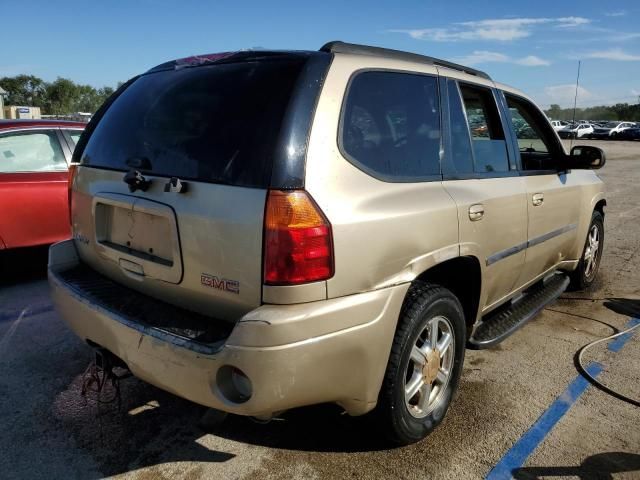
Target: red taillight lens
298, 246
72, 175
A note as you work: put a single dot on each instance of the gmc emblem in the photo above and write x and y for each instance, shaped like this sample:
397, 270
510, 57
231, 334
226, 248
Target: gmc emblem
211, 281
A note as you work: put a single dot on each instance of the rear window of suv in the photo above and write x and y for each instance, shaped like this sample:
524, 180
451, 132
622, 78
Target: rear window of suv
216, 123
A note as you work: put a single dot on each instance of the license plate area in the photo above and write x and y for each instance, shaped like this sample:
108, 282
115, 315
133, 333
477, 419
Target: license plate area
140, 235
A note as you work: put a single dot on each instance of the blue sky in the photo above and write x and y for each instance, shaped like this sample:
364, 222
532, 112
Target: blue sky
533, 46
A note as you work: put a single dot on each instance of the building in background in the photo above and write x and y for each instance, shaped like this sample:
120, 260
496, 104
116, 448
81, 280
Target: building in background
16, 112
3, 94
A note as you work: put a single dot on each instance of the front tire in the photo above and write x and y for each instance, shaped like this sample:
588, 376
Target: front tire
425, 363
583, 277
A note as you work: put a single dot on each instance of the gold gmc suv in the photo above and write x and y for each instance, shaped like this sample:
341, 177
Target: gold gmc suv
261, 230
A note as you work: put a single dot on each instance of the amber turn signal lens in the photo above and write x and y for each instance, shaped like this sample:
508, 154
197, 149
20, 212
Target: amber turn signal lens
298, 244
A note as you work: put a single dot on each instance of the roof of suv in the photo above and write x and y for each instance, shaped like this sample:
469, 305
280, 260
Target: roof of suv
330, 47
356, 49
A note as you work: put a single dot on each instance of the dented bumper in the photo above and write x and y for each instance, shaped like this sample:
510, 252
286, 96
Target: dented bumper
294, 355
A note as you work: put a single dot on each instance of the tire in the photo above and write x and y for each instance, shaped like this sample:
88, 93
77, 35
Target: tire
583, 277
407, 418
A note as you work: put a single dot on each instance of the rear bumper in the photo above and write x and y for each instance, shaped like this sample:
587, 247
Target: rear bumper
294, 355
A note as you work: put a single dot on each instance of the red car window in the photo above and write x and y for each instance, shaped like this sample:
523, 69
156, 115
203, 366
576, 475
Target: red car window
31, 152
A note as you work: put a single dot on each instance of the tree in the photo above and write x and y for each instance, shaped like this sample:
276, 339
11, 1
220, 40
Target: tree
62, 96
554, 111
26, 90
620, 111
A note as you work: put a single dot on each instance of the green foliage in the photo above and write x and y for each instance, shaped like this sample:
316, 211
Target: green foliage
24, 90
619, 111
60, 97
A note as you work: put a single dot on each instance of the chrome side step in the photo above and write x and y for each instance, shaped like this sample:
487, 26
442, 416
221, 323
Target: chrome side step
499, 324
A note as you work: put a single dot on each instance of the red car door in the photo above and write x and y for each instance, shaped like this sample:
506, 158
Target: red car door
33, 188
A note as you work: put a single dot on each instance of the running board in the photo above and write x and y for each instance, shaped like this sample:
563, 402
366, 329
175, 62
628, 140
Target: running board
502, 322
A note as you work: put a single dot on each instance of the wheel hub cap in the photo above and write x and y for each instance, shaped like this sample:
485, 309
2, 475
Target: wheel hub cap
431, 367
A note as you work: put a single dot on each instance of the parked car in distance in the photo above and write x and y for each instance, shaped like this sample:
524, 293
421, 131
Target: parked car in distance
263, 230
559, 124
611, 130
34, 163
577, 131
631, 133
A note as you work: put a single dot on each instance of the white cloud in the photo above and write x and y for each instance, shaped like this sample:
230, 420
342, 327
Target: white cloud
624, 36
612, 54
617, 13
635, 92
482, 56
533, 61
493, 29
564, 94
485, 56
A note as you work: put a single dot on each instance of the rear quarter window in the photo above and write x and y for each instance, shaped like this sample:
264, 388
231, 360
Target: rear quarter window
390, 126
217, 123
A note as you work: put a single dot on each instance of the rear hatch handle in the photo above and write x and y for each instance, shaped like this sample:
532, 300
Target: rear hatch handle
136, 181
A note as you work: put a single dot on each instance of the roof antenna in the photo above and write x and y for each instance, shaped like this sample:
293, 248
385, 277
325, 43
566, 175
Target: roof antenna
575, 101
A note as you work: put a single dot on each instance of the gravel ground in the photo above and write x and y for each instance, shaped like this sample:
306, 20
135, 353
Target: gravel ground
50, 431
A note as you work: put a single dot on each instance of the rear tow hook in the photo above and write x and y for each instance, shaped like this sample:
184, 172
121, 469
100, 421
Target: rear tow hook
103, 375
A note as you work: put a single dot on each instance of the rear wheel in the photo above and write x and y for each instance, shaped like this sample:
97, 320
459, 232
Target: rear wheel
584, 276
425, 363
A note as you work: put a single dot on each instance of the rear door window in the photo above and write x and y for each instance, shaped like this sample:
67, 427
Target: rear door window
487, 135
216, 123
391, 125
37, 151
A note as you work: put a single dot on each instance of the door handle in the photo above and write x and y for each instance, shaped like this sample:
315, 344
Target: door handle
537, 199
476, 212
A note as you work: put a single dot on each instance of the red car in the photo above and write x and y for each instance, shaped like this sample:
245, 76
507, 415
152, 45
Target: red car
34, 164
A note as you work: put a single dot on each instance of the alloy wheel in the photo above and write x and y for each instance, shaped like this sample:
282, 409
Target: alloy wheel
591, 252
430, 367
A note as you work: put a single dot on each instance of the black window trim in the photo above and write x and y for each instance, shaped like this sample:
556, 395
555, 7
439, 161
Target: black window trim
513, 168
288, 169
514, 138
70, 146
359, 165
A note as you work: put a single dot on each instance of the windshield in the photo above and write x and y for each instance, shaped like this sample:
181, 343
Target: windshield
611, 124
215, 123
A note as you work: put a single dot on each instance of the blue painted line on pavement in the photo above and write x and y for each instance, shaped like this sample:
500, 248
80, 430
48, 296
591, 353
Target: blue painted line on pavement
617, 343
525, 446
30, 312
529, 441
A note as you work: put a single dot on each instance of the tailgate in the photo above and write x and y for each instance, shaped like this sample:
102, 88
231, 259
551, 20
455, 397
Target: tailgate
205, 137
201, 250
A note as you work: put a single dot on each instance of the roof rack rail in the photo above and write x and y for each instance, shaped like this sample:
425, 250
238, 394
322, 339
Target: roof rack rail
343, 47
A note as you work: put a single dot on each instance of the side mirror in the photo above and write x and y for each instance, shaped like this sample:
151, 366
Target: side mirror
586, 158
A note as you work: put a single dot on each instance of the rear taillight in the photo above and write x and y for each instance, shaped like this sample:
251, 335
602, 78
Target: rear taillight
73, 168
298, 245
